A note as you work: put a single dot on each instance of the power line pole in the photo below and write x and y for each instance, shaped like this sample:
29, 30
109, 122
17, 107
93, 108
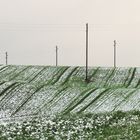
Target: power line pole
115, 53
6, 58
56, 56
86, 52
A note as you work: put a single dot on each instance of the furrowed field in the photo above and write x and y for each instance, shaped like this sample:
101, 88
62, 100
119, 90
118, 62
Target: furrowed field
45, 102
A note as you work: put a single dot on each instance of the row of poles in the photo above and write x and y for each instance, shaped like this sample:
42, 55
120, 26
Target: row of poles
86, 78
87, 38
87, 46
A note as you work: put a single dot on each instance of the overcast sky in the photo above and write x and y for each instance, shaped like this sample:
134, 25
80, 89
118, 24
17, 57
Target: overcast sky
30, 30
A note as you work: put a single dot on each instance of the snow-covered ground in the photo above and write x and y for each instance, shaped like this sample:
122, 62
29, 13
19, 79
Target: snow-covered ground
39, 90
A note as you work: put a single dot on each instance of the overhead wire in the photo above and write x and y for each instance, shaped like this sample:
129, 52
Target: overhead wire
50, 27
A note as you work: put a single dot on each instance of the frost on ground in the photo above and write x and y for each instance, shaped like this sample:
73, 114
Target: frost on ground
35, 91
55, 90
117, 125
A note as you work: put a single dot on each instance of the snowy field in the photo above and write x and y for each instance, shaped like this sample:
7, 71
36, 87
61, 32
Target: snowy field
111, 126
30, 92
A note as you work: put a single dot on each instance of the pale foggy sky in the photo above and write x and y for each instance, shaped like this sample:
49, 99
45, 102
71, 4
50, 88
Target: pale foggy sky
30, 30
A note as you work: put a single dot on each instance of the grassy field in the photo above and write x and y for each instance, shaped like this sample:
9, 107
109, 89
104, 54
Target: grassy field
30, 92
110, 126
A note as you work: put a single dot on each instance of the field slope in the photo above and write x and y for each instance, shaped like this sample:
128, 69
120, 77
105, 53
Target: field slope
38, 90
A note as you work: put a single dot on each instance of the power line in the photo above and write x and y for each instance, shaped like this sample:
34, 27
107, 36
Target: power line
12, 23
53, 26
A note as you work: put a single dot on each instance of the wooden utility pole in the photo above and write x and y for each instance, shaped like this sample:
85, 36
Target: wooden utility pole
86, 53
56, 56
6, 58
115, 53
